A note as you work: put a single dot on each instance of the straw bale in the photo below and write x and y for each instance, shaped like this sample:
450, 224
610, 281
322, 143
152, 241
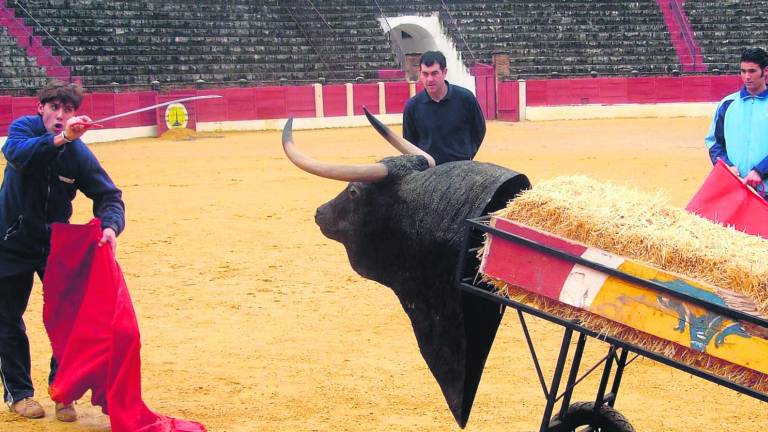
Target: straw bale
646, 228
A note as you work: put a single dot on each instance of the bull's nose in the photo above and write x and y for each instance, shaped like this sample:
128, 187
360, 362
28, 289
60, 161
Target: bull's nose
329, 225
317, 216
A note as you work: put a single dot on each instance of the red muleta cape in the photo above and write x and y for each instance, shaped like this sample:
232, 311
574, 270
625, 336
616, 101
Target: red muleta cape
94, 333
723, 198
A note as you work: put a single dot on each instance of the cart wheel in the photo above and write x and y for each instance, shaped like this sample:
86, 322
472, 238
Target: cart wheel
606, 419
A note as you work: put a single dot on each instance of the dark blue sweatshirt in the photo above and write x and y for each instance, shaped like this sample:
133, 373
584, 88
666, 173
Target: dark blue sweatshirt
38, 187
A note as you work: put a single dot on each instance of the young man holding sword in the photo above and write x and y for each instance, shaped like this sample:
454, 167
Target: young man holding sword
47, 163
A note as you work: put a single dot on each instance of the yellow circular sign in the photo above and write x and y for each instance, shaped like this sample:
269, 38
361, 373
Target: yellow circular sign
176, 116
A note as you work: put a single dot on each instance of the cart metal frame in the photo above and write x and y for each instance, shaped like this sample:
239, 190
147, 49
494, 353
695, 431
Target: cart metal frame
618, 350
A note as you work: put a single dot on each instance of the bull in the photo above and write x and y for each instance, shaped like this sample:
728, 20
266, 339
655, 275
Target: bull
401, 223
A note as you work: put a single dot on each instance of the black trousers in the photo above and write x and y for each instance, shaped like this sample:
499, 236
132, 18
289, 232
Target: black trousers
15, 363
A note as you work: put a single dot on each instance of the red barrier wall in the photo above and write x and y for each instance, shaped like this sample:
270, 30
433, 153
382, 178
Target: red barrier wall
132, 101
509, 96
241, 103
270, 103
24, 106
481, 69
211, 110
365, 95
146, 118
6, 113
94, 105
485, 90
257, 103
298, 101
253, 103
103, 105
641, 90
395, 96
334, 100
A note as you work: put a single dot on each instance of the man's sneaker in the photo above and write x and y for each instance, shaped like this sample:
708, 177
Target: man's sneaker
28, 408
66, 413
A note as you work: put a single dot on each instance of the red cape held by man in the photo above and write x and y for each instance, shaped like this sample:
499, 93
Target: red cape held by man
94, 333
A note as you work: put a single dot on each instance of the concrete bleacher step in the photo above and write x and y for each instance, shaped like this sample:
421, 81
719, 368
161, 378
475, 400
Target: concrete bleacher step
724, 29
123, 41
632, 30
32, 46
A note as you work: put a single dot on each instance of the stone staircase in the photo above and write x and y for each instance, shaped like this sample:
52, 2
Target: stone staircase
33, 47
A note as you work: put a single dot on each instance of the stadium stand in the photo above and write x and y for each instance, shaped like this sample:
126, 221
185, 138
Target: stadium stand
241, 41
17, 70
610, 37
724, 28
170, 42
348, 41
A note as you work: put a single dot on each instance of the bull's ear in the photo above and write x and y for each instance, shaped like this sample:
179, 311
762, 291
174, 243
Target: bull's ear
400, 166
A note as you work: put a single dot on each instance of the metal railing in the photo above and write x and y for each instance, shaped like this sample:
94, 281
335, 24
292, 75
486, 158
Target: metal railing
319, 52
397, 50
685, 31
319, 15
456, 28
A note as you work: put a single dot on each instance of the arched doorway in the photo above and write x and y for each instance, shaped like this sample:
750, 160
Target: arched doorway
411, 38
416, 34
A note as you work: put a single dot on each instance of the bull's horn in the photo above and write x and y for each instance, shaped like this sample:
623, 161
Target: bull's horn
350, 173
400, 143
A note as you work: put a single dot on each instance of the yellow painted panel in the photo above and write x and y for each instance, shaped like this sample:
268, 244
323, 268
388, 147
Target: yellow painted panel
674, 320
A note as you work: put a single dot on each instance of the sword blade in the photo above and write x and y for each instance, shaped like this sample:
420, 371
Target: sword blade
136, 111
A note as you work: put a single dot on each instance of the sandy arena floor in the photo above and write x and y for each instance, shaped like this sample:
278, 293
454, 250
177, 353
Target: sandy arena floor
251, 320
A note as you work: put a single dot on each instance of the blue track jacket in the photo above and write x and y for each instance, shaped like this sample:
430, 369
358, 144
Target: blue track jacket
38, 187
739, 133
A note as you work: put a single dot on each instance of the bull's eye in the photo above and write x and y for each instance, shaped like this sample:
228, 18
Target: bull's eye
353, 192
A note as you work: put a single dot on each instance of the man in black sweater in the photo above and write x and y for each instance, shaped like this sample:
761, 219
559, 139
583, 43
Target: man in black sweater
445, 120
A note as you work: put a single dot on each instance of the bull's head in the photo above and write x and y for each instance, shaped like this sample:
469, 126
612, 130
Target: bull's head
401, 222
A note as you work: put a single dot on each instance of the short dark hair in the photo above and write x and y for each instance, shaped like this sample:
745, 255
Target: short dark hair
430, 57
757, 56
64, 93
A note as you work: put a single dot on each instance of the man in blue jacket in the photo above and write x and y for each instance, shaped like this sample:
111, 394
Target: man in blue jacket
445, 120
47, 164
739, 131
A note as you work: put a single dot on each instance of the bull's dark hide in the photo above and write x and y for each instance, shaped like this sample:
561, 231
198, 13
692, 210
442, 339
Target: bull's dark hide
406, 232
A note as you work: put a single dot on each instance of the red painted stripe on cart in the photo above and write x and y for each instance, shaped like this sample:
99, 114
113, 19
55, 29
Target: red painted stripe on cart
528, 268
